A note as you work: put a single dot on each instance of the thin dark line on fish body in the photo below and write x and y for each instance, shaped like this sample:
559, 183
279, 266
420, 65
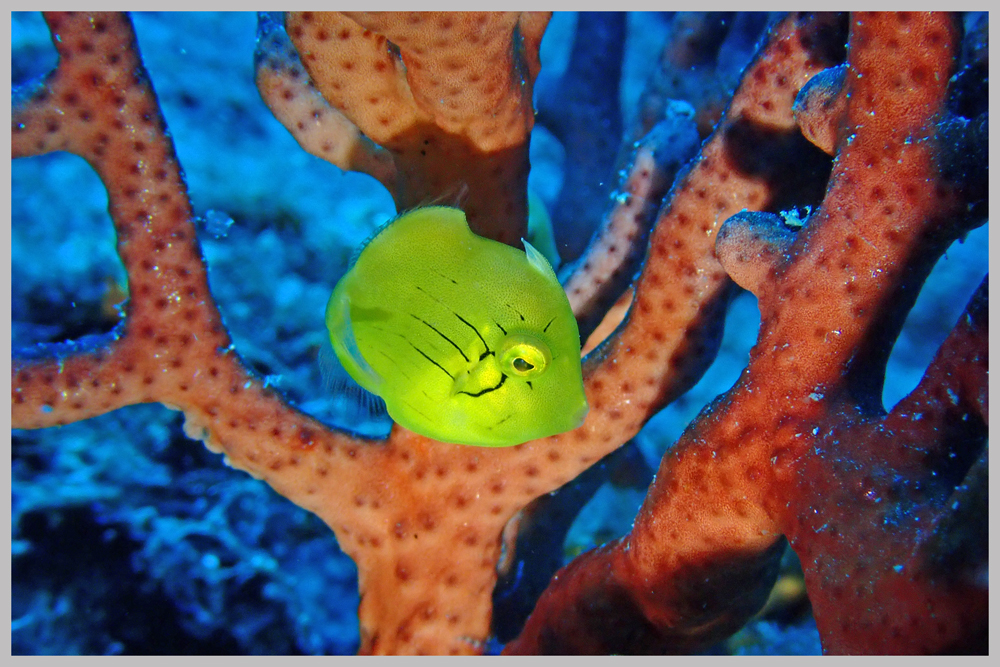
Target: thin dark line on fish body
448, 278
425, 356
435, 330
464, 321
411, 406
501, 421
396, 364
512, 307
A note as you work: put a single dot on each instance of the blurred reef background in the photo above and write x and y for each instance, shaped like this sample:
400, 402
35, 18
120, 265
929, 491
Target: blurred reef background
129, 538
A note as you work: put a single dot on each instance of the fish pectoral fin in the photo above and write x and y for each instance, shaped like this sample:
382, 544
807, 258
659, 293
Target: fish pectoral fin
346, 347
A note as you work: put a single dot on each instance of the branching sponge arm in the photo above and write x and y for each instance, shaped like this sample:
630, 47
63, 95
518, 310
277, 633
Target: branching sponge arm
447, 94
320, 128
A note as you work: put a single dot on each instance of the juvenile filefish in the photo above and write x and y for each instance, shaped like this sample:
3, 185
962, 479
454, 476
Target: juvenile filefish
468, 341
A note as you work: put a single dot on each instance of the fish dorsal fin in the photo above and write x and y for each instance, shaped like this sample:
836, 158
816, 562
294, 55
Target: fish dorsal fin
371, 237
417, 215
538, 261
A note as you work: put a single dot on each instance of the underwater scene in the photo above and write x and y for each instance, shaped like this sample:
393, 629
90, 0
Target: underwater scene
764, 233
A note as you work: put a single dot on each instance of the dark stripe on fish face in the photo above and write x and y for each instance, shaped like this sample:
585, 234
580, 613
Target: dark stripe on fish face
548, 325
464, 321
434, 329
424, 355
410, 405
407, 341
474, 329
396, 364
500, 422
503, 378
451, 280
501, 328
511, 306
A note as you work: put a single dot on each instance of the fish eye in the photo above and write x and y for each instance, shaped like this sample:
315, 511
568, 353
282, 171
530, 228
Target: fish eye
523, 356
522, 365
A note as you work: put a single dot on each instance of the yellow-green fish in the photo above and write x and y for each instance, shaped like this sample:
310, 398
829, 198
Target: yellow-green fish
467, 340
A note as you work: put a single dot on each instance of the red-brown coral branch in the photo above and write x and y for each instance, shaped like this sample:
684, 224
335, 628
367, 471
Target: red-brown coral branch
98, 104
612, 258
693, 66
800, 447
421, 519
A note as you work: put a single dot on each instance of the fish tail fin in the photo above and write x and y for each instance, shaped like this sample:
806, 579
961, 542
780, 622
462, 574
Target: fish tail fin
338, 321
353, 406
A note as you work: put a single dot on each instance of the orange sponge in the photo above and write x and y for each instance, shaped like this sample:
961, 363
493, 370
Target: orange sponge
448, 94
